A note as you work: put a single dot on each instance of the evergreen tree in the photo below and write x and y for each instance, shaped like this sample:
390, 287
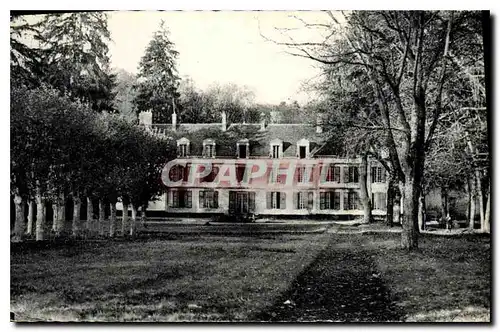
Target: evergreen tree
75, 55
157, 79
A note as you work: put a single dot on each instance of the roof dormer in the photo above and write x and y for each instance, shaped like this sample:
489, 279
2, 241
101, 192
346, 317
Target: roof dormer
303, 148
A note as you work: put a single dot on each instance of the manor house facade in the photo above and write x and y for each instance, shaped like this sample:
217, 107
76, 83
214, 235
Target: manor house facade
300, 174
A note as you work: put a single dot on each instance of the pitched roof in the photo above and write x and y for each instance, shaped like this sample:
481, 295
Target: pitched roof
259, 140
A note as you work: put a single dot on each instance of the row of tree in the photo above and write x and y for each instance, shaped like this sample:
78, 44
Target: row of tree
408, 88
66, 141
61, 149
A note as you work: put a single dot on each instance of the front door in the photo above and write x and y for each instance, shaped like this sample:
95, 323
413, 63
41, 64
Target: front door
241, 202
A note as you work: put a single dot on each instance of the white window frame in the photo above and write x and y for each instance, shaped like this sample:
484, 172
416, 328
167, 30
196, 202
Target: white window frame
276, 143
247, 144
183, 147
209, 148
304, 143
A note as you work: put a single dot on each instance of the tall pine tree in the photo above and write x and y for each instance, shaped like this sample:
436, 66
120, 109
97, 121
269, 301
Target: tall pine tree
76, 56
157, 79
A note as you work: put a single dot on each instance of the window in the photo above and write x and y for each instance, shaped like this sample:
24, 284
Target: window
303, 200
208, 148
379, 201
351, 174
180, 199
303, 148
242, 148
378, 174
329, 200
333, 174
302, 152
301, 175
182, 150
276, 200
183, 147
209, 199
179, 172
276, 151
351, 200
241, 202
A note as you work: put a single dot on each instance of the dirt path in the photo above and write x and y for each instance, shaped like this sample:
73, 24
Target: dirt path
341, 284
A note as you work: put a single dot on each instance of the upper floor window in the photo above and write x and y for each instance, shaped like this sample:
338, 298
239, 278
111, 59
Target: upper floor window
276, 200
333, 174
208, 148
276, 148
378, 174
243, 148
351, 174
183, 147
209, 199
303, 148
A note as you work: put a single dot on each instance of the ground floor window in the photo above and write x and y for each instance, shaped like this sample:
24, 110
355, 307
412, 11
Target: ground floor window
180, 199
303, 200
379, 201
209, 199
329, 200
276, 200
351, 200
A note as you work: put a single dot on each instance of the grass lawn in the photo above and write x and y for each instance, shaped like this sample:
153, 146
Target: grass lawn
291, 277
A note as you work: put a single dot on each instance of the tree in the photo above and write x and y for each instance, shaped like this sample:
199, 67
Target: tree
75, 56
157, 79
125, 93
403, 57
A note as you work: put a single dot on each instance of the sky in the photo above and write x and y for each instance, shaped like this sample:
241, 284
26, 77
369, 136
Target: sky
222, 47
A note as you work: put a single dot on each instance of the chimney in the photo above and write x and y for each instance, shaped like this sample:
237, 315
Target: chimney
262, 121
319, 128
224, 123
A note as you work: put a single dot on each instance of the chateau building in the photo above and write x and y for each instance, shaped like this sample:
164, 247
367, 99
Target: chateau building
262, 169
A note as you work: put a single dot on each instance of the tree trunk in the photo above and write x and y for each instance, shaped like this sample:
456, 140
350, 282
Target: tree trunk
19, 225
125, 220
480, 197
472, 209
421, 213
397, 205
409, 236
390, 202
55, 210
77, 205
486, 227
61, 215
31, 217
40, 216
444, 204
133, 221
112, 218
365, 197
90, 215
102, 217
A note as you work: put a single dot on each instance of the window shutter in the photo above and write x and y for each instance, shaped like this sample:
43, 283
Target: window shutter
216, 200
356, 174
346, 174
268, 200
189, 198
346, 200
296, 200
282, 200
202, 198
336, 200
322, 200
251, 202
232, 201
310, 200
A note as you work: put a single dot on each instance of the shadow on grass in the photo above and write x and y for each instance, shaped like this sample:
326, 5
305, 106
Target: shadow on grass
339, 285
